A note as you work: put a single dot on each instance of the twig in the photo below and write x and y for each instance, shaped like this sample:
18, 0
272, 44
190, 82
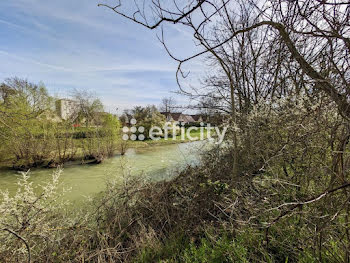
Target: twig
309, 201
21, 238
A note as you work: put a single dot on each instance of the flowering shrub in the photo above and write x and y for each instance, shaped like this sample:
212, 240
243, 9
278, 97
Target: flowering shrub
28, 219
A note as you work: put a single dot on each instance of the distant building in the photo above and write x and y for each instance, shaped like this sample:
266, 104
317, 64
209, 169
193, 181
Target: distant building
198, 118
66, 108
179, 117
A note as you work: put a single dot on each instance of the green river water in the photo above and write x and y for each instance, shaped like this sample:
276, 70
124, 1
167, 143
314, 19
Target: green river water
155, 163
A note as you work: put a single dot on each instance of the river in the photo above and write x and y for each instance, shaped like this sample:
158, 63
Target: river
154, 163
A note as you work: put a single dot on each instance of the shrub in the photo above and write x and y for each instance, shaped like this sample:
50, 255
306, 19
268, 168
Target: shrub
29, 219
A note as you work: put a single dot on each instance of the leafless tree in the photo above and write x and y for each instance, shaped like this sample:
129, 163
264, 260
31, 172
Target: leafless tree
298, 25
88, 105
168, 104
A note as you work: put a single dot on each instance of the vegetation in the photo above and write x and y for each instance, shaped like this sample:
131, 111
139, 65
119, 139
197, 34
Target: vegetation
274, 211
277, 189
147, 117
33, 134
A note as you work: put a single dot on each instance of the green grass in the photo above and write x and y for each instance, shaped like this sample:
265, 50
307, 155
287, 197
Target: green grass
207, 249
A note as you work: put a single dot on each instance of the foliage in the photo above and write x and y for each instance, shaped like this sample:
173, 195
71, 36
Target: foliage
146, 117
23, 125
28, 220
100, 142
33, 136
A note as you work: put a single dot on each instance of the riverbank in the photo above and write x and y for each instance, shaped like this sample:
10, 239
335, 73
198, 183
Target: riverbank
80, 156
154, 163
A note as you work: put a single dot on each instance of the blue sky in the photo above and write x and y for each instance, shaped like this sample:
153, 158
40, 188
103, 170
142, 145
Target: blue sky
73, 44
